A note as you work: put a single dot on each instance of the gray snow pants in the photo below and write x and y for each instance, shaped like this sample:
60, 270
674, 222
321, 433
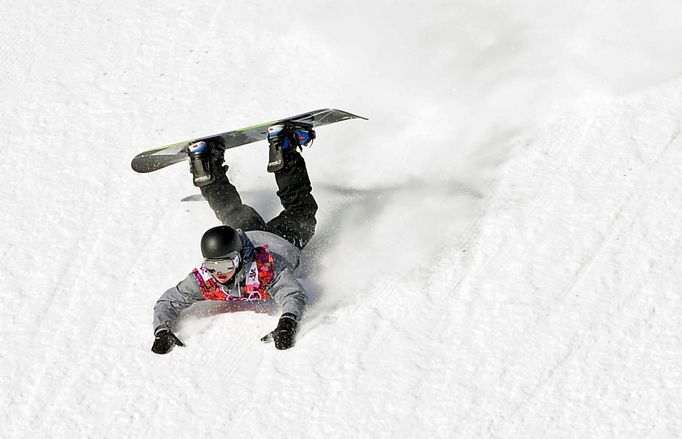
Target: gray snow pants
296, 223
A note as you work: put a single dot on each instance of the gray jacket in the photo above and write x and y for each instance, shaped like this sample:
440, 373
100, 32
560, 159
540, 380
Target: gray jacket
283, 287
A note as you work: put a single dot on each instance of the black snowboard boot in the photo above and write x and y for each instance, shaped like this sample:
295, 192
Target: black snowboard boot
204, 159
284, 138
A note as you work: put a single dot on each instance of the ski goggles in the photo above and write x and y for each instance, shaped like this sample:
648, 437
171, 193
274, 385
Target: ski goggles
226, 265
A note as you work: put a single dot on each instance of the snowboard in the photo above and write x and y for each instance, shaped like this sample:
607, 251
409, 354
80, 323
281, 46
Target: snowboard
159, 158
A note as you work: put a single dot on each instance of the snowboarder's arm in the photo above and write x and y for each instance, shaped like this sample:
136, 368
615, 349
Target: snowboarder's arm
288, 293
174, 301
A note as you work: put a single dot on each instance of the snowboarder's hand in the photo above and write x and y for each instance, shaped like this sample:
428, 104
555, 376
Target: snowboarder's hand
284, 333
164, 341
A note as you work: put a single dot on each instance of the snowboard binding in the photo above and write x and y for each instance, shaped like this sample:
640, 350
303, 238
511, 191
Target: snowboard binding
286, 137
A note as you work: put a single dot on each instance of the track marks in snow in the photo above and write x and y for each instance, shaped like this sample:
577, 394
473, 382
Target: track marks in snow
80, 325
646, 182
56, 327
592, 239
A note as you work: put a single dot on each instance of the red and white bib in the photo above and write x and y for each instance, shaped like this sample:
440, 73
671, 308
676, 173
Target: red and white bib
260, 274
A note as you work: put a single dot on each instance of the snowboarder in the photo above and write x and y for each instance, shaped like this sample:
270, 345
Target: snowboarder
247, 260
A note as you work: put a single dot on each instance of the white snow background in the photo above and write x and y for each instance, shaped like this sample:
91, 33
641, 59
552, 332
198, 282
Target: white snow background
498, 251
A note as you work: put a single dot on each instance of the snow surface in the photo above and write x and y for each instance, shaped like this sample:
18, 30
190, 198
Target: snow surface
499, 247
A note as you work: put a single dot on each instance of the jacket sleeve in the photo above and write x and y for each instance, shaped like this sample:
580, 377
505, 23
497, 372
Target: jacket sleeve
288, 293
174, 301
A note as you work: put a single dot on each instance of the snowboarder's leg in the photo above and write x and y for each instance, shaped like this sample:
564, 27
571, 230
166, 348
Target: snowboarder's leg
223, 197
296, 223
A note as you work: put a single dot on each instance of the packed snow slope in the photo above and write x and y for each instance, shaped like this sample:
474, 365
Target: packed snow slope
498, 250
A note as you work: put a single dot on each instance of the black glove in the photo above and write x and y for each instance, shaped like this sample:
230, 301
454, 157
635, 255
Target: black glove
164, 340
284, 333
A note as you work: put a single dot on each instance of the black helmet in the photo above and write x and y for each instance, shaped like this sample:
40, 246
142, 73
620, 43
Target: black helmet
219, 242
